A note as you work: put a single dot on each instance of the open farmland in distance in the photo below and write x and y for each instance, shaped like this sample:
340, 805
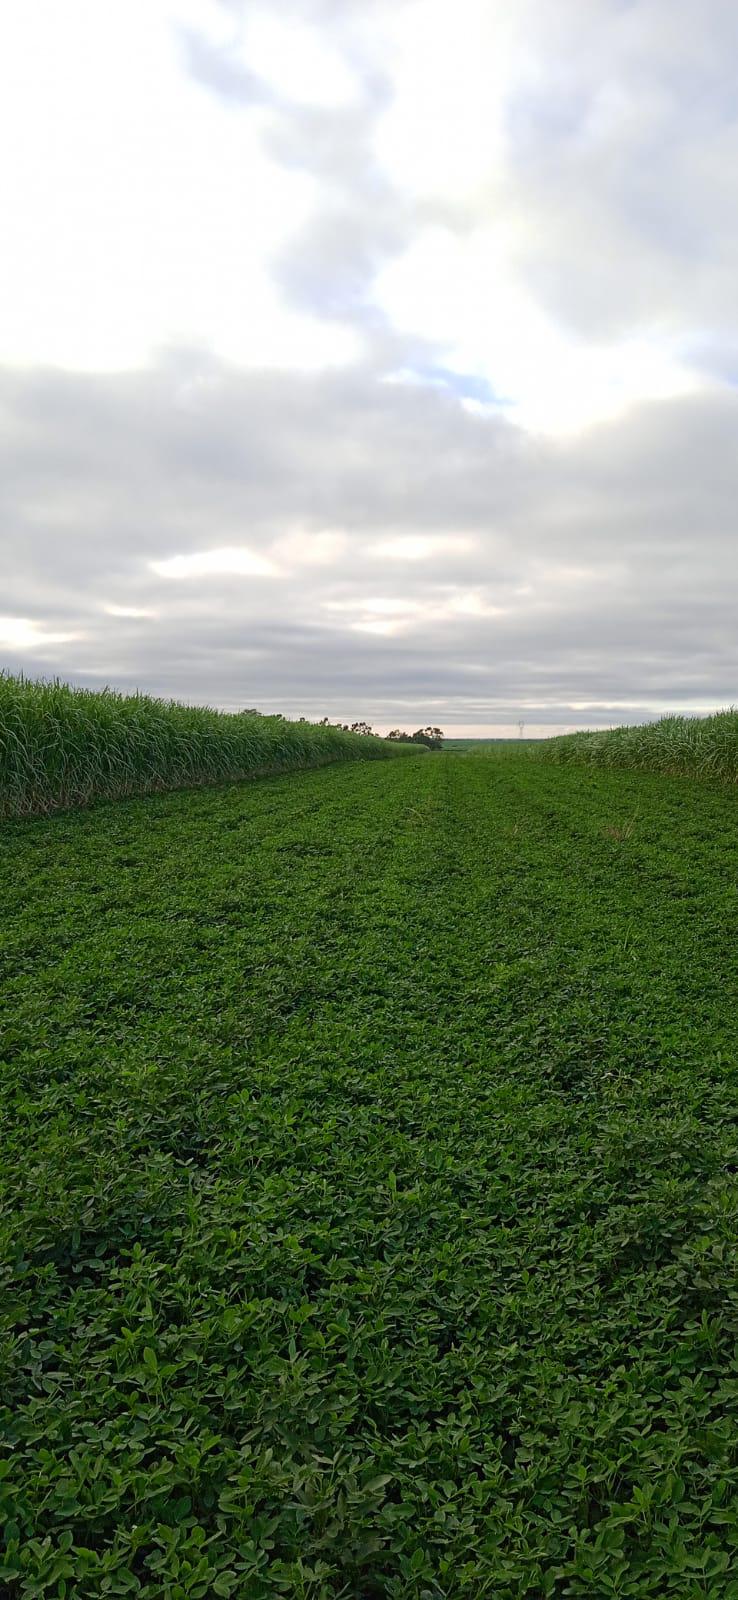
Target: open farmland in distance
370, 1188
489, 747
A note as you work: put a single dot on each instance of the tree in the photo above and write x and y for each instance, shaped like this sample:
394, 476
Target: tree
397, 733
432, 737
361, 727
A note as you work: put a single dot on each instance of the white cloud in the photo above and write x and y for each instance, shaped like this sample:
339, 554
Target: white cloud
230, 561
394, 614
138, 212
474, 605
320, 547
20, 633
377, 625
389, 606
129, 611
461, 292
443, 136
384, 616
295, 60
420, 547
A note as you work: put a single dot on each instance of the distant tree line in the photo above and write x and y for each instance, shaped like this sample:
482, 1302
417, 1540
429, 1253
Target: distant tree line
432, 737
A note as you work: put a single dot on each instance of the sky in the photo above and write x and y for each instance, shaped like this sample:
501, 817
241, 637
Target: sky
373, 360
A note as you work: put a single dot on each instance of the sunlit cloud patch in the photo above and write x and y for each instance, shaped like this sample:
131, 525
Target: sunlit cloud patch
21, 633
226, 562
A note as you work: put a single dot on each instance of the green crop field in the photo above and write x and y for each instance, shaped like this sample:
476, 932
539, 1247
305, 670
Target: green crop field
370, 1188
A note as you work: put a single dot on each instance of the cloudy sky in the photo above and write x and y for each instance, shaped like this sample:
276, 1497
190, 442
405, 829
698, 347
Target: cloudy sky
373, 359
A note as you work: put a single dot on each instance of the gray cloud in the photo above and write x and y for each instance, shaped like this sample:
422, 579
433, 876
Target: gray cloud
623, 142
611, 560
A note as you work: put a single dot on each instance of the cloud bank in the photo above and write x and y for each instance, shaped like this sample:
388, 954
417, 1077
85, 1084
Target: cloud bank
372, 360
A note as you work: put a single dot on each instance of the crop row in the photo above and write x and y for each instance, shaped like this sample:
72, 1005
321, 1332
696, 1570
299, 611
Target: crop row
62, 747
704, 747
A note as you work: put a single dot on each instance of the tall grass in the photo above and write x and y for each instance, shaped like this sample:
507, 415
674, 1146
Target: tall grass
704, 747
61, 746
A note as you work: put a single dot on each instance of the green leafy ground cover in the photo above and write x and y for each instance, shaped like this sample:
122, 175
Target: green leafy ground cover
370, 1189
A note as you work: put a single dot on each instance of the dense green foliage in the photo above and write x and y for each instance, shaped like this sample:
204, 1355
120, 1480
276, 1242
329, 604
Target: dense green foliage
66, 747
370, 1189
705, 747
